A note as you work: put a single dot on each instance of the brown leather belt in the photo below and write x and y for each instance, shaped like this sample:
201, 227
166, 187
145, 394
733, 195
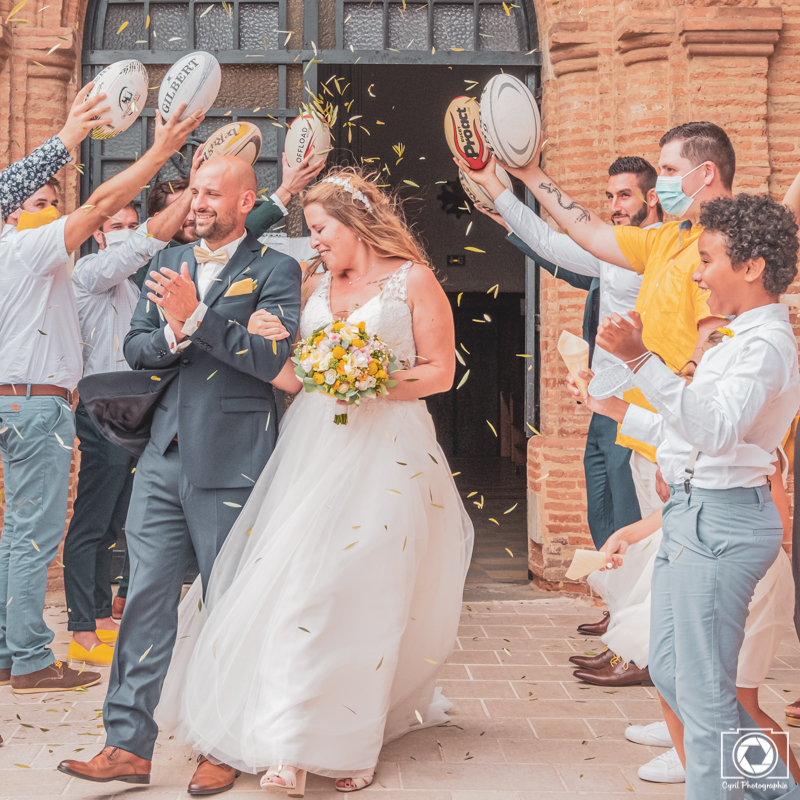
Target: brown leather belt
37, 390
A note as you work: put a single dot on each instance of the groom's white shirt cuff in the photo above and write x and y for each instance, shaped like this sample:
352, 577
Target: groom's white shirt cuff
189, 327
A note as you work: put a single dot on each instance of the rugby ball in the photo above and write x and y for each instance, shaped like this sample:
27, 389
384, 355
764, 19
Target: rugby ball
125, 85
194, 80
240, 139
307, 134
478, 194
510, 120
462, 129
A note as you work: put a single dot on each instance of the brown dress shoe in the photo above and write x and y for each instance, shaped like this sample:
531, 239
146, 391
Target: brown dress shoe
5, 676
58, 677
211, 778
595, 628
117, 607
111, 764
792, 713
616, 673
593, 662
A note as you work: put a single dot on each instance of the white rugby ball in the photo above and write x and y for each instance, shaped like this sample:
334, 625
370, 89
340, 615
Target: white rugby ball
240, 139
478, 194
125, 85
194, 80
510, 120
307, 134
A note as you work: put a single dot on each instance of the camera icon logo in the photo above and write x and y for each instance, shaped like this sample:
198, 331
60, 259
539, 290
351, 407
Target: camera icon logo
754, 754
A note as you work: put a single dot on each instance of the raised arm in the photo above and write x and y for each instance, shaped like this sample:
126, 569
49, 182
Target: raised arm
583, 226
572, 278
118, 191
24, 178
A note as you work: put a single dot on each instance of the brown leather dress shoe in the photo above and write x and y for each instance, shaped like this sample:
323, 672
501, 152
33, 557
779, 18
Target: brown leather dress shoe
117, 607
595, 628
593, 662
58, 677
5, 676
111, 764
211, 778
616, 673
792, 713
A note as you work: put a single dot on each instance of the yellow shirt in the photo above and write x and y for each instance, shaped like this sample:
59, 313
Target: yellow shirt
670, 302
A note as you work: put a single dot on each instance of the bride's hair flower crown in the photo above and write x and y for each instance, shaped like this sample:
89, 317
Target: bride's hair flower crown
345, 184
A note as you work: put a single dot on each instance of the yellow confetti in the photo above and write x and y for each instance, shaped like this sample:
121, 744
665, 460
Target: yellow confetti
212, 374
460, 359
274, 347
15, 9
509, 552
249, 532
206, 11
232, 505
145, 654
533, 429
351, 545
83, 666
411, 183
241, 352
53, 48
415, 476
306, 630
147, 22
463, 380
380, 663
21, 766
511, 509
430, 662
418, 716
154, 378
393, 491
35, 546
458, 299
122, 27
475, 249
405, 542
492, 519
492, 427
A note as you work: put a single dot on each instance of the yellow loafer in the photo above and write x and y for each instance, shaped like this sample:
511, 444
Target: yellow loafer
102, 655
109, 637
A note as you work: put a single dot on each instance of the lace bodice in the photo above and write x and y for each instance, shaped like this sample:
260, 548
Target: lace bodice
387, 315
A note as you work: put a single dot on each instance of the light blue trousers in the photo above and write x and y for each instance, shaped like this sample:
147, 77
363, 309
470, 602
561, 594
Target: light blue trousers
36, 480
716, 546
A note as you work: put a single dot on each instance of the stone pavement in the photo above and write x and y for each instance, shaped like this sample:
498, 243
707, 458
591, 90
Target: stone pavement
521, 728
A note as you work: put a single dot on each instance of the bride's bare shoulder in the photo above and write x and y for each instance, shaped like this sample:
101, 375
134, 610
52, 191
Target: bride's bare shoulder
421, 282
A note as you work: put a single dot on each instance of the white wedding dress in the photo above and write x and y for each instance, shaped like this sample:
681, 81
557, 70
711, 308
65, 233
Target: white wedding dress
337, 595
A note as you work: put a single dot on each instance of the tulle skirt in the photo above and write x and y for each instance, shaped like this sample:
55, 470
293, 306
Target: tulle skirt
334, 601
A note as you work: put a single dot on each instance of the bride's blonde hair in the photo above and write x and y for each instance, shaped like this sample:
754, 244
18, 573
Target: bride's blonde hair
381, 225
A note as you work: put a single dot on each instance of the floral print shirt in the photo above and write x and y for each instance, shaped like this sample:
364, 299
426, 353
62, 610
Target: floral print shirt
24, 178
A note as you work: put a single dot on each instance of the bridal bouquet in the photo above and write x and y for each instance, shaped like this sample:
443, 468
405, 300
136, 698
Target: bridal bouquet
346, 362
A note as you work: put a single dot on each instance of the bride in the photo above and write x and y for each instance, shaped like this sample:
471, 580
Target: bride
337, 595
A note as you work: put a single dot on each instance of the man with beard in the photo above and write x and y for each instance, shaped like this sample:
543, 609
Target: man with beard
212, 431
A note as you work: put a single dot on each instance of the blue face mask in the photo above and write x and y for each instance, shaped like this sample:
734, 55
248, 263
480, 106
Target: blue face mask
673, 199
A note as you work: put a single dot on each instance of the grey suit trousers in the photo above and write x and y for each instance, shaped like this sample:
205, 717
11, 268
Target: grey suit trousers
169, 521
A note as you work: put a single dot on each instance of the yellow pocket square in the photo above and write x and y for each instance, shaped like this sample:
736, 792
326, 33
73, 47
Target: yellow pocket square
245, 286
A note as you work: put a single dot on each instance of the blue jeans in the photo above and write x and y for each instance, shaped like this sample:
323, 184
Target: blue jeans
36, 446
716, 546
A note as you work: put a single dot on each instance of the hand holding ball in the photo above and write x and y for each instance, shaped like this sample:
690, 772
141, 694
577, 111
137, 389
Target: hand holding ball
510, 120
125, 85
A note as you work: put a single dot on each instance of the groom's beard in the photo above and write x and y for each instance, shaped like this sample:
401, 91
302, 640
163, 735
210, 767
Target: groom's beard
219, 228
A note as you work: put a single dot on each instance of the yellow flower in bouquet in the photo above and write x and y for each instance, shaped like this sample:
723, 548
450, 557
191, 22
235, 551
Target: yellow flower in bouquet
346, 362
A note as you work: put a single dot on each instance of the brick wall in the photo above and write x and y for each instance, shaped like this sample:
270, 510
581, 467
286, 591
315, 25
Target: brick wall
616, 75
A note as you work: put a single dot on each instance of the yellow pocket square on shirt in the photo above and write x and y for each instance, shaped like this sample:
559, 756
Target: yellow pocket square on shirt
245, 286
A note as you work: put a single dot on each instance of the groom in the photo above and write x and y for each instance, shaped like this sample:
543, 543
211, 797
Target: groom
213, 430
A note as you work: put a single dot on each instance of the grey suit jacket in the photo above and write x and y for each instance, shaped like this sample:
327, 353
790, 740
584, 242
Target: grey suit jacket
220, 404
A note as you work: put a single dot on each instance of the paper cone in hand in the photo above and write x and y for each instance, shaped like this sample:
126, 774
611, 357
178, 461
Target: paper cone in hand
575, 352
584, 562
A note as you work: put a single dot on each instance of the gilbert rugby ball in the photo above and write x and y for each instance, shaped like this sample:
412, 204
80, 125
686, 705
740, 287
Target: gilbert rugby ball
307, 134
125, 86
478, 194
240, 139
462, 129
510, 120
194, 80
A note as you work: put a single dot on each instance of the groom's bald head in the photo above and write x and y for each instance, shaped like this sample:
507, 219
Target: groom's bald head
224, 191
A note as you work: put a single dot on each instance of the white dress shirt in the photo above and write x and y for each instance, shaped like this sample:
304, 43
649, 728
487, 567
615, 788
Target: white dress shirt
744, 395
619, 288
204, 276
39, 330
107, 298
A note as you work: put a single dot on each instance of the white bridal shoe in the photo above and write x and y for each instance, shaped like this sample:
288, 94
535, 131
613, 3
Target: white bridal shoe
666, 768
656, 734
358, 782
294, 781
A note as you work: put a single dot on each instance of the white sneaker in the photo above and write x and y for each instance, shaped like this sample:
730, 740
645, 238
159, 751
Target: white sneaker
655, 735
666, 768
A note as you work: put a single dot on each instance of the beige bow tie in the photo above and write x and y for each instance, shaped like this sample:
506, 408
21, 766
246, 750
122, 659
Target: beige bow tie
204, 256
